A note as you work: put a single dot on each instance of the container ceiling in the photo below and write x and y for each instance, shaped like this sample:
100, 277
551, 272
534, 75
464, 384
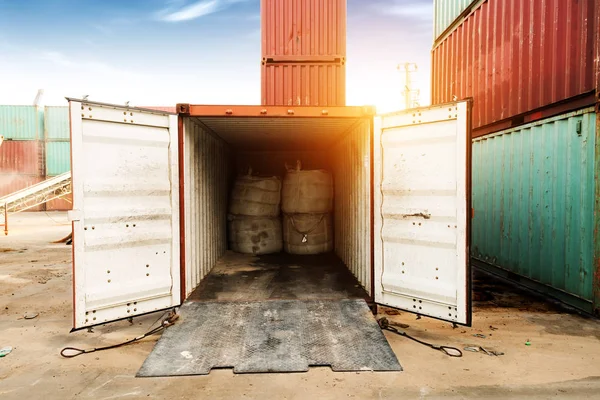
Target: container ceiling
279, 133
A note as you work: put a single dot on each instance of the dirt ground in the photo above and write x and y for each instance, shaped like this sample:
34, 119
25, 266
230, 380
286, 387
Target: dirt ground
563, 360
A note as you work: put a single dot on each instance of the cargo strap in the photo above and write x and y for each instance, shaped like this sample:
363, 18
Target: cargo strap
308, 232
449, 351
70, 352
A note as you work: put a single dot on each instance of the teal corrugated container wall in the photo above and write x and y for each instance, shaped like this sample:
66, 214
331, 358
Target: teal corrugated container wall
58, 158
56, 128
21, 122
445, 12
533, 199
56, 123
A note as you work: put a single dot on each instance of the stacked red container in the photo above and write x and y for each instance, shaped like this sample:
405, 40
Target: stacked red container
518, 60
303, 52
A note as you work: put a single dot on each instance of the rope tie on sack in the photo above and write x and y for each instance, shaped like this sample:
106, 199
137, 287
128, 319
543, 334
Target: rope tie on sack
308, 232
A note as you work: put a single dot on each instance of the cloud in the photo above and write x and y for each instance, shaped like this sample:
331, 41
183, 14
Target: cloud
176, 12
193, 11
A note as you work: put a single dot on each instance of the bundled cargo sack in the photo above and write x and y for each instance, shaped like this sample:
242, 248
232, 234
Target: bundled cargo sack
255, 235
307, 192
256, 196
307, 234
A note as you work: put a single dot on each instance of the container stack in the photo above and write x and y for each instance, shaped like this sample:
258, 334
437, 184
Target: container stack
36, 147
254, 215
535, 119
303, 52
22, 151
57, 150
307, 203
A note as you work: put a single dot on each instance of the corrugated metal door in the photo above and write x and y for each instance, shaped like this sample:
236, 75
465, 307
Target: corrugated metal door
125, 212
422, 219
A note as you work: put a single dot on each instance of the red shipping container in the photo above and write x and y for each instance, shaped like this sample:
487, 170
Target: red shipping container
62, 204
21, 157
304, 84
10, 183
308, 30
514, 57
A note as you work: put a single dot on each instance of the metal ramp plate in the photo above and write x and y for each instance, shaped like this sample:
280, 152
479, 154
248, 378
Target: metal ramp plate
271, 336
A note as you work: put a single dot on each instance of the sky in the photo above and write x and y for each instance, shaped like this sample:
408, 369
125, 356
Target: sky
163, 52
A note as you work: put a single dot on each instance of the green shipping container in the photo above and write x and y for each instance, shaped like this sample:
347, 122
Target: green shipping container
445, 12
534, 191
56, 123
21, 122
58, 158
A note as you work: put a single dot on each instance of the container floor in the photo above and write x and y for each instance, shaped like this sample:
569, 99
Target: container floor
240, 277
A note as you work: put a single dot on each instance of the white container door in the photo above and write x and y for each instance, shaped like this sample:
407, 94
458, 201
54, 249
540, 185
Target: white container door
422, 211
125, 212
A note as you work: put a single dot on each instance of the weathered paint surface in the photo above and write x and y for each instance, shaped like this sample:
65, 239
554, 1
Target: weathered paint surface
303, 28
421, 218
597, 168
304, 84
445, 12
58, 158
21, 122
56, 122
533, 198
20, 157
126, 227
514, 56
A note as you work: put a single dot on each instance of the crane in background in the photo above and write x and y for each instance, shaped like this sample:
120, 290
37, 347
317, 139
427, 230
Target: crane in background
411, 93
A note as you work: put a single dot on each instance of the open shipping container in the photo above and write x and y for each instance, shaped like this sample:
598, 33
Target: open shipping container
150, 192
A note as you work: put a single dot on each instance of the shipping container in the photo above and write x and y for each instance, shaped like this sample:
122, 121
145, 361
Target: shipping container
21, 122
308, 30
304, 84
518, 60
156, 206
169, 109
447, 12
10, 183
56, 123
58, 157
62, 204
21, 157
536, 207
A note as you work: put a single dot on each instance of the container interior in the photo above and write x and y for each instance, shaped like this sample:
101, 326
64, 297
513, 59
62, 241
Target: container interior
216, 149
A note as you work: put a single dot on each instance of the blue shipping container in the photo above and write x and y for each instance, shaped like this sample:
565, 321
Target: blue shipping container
533, 197
21, 122
445, 12
56, 123
58, 158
